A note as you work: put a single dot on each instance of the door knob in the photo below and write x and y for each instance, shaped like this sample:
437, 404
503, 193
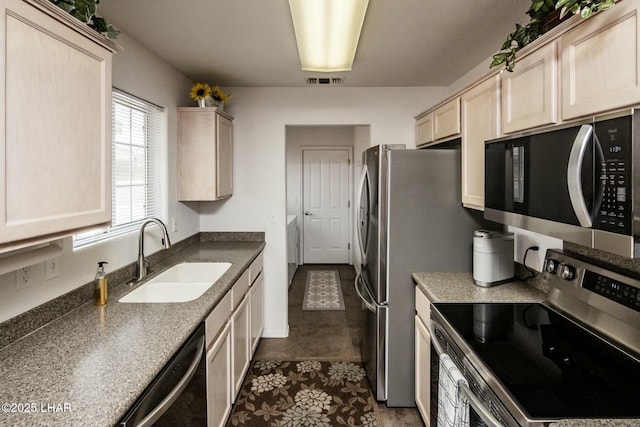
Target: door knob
307, 213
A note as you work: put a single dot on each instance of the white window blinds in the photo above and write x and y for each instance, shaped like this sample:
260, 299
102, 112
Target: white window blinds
135, 167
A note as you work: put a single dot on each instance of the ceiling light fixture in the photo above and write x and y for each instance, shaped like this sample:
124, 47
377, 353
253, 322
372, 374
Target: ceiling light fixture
327, 32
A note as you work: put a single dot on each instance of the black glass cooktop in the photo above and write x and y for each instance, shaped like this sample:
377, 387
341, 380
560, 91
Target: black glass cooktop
553, 367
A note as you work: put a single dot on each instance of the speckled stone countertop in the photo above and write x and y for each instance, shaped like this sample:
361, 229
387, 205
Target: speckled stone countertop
459, 287
596, 423
88, 367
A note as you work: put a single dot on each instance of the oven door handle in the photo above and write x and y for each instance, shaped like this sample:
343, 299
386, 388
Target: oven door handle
162, 407
574, 178
479, 407
473, 400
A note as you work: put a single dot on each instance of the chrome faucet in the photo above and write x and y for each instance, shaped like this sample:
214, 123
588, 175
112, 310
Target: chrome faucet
143, 264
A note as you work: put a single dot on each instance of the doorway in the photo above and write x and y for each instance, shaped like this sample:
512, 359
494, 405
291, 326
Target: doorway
301, 141
326, 205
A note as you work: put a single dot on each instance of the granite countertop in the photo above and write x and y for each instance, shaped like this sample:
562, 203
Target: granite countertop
459, 287
596, 423
90, 365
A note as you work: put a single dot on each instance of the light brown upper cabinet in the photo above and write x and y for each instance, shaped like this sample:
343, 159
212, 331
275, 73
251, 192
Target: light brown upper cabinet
446, 120
441, 123
205, 154
424, 129
530, 92
55, 132
480, 108
600, 69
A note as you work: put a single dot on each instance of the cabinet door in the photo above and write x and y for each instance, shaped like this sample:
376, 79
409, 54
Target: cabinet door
424, 129
530, 92
219, 393
55, 131
446, 120
480, 107
600, 62
224, 157
423, 370
205, 154
240, 336
257, 319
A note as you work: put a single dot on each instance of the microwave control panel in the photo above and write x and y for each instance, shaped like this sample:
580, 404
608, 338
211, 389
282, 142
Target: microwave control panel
614, 210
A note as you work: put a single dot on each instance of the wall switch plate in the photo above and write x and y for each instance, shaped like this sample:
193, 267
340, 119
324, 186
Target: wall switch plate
51, 268
23, 278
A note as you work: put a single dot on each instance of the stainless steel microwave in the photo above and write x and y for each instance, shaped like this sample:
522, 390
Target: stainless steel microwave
576, 182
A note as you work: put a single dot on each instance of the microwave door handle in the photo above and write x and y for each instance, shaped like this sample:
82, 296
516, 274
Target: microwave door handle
479, 407
574, 178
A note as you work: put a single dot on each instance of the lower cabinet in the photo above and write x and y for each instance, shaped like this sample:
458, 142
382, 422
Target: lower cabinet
219, 391
233, 330
423, 357
240, 336
257, 315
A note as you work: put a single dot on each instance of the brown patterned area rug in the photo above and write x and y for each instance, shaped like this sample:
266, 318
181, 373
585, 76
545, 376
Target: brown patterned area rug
305, 393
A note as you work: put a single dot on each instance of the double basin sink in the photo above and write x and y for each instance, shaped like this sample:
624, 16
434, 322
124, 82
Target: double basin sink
180, 283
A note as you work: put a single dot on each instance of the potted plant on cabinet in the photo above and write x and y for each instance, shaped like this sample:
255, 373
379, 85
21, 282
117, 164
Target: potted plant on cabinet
544, 14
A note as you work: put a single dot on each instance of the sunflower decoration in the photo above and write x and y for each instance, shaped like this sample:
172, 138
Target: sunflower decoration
200, 91
219, 95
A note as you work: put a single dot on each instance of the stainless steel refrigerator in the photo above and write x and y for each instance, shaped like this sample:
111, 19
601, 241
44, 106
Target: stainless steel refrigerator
410, 218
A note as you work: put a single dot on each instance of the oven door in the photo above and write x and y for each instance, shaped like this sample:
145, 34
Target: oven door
479, 414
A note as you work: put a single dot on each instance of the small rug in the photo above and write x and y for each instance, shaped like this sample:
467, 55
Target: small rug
306, 393
323, 291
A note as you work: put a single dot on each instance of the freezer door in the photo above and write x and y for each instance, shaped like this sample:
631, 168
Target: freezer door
373, 340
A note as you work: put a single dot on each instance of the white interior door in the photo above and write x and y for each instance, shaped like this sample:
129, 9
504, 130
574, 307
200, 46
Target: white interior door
325, 206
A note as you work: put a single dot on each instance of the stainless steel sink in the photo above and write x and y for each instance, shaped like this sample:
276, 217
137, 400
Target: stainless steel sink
180, 283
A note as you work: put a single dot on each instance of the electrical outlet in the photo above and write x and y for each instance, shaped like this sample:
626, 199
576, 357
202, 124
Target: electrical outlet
174, 225
51, 268
272, 218
23, 278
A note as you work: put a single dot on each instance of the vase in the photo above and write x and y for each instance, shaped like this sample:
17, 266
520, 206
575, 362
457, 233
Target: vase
218, 103
201, 102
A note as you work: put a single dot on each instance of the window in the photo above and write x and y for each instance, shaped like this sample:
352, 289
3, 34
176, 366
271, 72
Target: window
135, 155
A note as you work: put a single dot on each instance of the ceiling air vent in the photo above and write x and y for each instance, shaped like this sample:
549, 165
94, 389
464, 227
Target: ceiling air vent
324, 81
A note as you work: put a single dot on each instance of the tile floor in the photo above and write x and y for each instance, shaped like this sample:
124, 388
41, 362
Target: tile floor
328, 335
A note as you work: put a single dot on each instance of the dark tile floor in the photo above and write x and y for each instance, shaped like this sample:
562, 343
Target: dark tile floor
328, 335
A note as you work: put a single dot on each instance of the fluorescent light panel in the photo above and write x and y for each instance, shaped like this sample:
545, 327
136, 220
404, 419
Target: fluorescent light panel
327, 32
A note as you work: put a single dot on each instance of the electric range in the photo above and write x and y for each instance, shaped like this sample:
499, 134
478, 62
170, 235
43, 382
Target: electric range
575, 355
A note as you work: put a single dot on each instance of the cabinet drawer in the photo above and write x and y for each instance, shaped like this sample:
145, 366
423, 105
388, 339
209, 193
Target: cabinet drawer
255, 268
423, 306
217, 319
240, 288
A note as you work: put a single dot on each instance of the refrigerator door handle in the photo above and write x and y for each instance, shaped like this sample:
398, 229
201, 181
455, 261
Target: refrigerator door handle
363, 180
371, 306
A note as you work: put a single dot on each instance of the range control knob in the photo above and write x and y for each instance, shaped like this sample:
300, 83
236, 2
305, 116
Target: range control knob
552, 266
567, 272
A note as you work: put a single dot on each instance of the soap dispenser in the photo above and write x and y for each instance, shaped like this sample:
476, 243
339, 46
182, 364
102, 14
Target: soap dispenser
100, 290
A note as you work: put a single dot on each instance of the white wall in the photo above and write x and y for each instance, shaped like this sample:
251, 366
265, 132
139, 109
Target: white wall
261, 116
139, 72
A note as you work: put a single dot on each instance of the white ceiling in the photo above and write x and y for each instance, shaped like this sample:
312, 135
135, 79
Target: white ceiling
252, 43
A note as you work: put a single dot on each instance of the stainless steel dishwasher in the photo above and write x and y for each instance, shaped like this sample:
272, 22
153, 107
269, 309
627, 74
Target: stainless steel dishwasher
177, 396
